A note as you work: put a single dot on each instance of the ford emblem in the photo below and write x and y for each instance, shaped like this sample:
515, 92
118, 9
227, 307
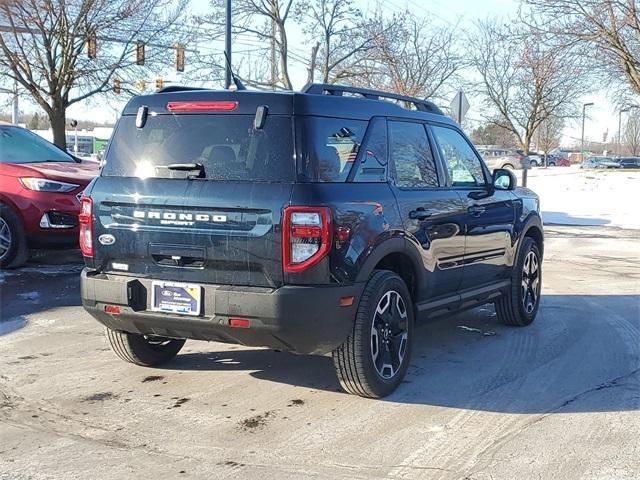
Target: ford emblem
107, 239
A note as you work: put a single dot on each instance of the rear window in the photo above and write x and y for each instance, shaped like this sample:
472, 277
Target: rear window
227, 146
329, 147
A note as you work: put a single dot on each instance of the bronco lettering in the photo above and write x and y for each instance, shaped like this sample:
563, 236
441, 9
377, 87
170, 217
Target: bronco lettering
184, 217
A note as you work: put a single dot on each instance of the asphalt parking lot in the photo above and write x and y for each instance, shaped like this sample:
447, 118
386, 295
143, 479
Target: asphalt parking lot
559, 399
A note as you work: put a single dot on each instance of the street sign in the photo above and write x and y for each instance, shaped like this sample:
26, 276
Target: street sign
459, 106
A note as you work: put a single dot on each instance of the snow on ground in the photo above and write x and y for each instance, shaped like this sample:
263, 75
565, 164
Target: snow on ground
572, 196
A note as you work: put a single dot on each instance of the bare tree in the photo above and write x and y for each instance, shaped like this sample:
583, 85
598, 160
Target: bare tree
631, 134
341, 38
549, 134
492, 134
524, 80
266, 21
607, 32
34, 122
412, 56
43, 45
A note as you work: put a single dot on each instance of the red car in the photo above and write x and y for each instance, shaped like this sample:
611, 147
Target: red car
40, 189
554, 161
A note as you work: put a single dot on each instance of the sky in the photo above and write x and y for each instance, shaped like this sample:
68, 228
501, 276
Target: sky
602, 115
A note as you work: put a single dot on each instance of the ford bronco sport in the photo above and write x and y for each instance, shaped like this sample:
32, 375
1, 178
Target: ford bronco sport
327, 220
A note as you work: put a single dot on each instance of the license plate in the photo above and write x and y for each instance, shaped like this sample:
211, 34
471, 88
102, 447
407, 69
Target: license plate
181, 298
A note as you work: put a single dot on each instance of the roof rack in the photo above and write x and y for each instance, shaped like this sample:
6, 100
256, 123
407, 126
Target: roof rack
179, 88
339, 90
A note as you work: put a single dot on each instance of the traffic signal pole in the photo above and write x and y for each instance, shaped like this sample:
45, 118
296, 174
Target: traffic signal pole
227, 46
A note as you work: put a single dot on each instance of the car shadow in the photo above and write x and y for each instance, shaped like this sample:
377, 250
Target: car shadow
582, 354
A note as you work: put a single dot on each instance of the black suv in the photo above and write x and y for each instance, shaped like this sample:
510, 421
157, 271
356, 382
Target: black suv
329, 220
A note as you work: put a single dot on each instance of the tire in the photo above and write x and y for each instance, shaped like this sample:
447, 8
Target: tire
534, 163
519, 305
383, 324
14, 251
142, 350
551, 164
508, 166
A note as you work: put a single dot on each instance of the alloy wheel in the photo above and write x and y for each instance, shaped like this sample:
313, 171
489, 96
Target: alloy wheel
389, 334
530, 282
5, 238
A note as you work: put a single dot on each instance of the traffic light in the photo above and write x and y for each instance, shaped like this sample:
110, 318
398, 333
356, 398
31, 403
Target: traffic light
117, 86
179, 57
139, 53
142, 85
159, 84
92, 45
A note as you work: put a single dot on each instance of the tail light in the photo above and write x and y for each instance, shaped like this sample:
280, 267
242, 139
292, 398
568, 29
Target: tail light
86, 227
219, 106
306, 237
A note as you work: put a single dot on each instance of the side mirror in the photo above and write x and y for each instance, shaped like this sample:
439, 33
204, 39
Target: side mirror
504, 179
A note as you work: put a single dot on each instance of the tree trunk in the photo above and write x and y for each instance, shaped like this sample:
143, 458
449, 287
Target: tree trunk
311, 71
327, 52
525, 148
57, 117
284, 56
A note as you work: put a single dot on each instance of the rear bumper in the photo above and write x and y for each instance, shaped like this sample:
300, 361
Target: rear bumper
296, 318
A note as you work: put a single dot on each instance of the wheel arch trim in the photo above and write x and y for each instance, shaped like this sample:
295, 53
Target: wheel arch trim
398, 246
533, 224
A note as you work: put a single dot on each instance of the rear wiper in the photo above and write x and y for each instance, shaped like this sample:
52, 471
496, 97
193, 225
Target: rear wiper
188, 167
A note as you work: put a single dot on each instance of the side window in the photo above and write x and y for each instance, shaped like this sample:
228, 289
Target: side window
411, 155
330, 146
465, 168
373, 163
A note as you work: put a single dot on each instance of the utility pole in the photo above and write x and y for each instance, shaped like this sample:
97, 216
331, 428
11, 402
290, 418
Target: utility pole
274, 71
227, 46
15, 113
622, 110
584, 109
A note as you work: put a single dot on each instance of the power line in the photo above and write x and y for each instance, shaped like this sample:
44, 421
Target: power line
10, 29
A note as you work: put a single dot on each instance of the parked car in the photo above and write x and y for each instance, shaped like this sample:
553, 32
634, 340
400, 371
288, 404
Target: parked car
557, 161
40, 188
599, 162
312, 222
536, 160
504, 158
563, 153
628, 162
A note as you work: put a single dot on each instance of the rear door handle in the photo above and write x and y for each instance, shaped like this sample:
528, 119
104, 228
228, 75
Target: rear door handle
476, 210
419, 214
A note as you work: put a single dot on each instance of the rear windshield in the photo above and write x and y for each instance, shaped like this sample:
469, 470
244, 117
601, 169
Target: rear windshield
227, 146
